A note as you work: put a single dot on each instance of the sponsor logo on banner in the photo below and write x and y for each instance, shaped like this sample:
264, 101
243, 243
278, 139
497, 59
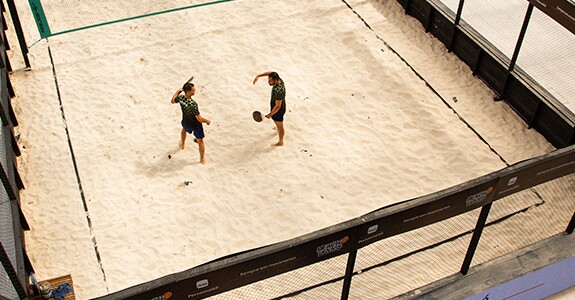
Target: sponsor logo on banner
512, 181
478, 197
332, 247
372, 229
165, 296
202, 284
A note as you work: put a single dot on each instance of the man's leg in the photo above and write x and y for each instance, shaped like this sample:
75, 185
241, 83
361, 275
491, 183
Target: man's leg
281, 133
183, 135
202, 148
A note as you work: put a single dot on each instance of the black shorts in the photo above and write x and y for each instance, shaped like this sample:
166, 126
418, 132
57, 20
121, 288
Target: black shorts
197, 131
279, 116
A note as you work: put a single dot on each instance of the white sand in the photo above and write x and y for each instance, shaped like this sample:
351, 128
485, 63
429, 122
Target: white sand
362, 131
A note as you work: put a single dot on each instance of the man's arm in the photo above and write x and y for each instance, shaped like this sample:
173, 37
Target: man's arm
176, 95
262, 74
202, 119
275, 109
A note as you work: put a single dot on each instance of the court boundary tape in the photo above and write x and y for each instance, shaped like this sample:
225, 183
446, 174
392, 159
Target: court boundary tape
78, 179
427, 84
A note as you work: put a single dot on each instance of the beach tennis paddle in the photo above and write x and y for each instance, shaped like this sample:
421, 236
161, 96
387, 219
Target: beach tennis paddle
189, 80
258, 117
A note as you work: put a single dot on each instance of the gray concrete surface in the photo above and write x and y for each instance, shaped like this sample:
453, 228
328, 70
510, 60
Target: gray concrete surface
498, 271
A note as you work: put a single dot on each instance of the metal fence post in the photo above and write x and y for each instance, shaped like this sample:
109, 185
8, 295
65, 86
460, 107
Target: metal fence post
516, 52
348, 274
455, 24
475, 238
19, 32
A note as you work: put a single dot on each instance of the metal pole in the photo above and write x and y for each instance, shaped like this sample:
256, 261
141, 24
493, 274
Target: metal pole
455, 24
475, 238
516, 52
348, 274
19, 32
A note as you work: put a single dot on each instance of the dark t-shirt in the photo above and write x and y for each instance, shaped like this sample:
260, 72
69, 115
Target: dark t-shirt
189, 111
279, 93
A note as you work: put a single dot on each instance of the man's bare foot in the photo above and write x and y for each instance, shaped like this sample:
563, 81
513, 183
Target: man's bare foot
278, 144
203, 161
182, 145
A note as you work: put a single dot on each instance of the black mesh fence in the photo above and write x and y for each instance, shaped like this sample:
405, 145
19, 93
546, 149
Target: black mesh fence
12, 273
397, 249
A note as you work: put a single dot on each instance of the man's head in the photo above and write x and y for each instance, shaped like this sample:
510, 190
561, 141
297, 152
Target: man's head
273, 78
189, 89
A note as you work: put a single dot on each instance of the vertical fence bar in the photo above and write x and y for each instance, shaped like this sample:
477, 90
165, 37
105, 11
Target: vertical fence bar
475, 238
571, 225
19, 32
516, 52
348, 274
455, 24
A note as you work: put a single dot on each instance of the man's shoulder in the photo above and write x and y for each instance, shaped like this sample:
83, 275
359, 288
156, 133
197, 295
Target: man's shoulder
280, 86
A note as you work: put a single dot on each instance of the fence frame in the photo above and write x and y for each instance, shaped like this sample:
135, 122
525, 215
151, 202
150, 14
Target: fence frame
535, 105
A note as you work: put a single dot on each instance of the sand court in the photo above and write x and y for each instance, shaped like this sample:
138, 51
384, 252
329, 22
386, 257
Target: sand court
363, 130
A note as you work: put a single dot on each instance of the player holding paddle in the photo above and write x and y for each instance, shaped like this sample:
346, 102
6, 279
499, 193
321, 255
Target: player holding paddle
277, 102
191, 118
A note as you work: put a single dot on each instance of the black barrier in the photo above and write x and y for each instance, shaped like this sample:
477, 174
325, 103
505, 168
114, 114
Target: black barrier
536, 106
240, 270
251, 266
533, 172
427, 210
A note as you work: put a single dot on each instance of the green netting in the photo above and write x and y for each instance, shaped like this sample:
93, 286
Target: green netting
62, 16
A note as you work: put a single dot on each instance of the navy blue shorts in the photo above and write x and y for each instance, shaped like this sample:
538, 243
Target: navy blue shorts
197, 131
278, 117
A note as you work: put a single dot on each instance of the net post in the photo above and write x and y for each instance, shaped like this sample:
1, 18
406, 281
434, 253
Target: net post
40, 17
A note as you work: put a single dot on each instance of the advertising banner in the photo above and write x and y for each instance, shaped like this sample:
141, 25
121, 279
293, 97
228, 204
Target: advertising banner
525, 175
251, 269
437, 207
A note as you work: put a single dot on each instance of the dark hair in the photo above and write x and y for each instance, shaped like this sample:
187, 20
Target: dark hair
188, 86
274, 76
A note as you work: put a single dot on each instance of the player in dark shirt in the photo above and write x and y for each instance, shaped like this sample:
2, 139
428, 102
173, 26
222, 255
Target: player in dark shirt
277, 103
191, 118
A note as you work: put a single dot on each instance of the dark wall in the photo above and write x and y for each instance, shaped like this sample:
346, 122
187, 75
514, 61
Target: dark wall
531, 102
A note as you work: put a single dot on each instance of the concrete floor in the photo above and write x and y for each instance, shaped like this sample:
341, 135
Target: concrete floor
501, 270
